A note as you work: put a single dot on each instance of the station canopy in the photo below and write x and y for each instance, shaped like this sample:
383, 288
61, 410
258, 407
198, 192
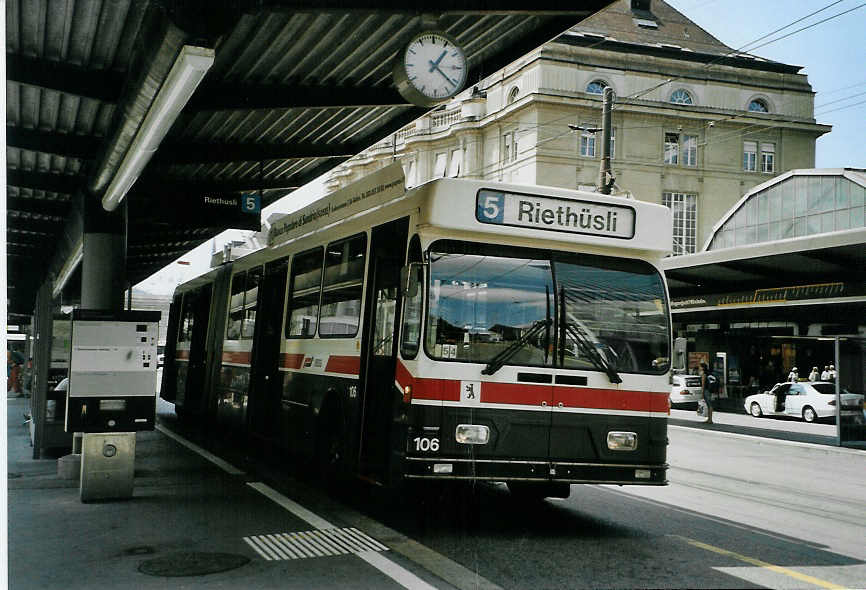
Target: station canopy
293, 89
796, 241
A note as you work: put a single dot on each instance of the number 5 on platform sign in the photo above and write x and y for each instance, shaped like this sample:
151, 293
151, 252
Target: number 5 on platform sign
251, 203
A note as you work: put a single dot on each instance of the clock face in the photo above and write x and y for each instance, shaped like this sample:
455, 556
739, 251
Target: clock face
434, 67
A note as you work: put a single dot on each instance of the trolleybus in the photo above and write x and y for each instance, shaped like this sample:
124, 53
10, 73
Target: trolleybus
460, 330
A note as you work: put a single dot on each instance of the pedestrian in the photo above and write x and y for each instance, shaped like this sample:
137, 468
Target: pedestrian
707, 382
832, 373
825, 374
794, 375
13, 374
813, 376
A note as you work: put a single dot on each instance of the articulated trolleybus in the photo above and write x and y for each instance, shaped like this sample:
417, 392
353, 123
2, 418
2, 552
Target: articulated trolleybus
460, 330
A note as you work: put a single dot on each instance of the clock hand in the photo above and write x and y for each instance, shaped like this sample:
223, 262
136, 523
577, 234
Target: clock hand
445, 76
435, 64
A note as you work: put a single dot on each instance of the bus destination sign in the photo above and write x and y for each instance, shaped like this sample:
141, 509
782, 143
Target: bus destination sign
553, 214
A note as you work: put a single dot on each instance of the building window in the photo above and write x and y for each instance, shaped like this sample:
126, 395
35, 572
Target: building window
454, 164
440, 165
509, 147
758, 106
768, 158
672, 148
587, 143
596, 87
690, 150
590, 137
684, 207
410, 174
681, 96
750, 156
512, 94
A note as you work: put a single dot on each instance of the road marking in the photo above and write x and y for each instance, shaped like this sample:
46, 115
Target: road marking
224, 465
396, 572
290, 505
763, 564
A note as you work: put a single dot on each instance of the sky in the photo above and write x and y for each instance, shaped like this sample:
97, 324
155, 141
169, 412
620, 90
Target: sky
832, 54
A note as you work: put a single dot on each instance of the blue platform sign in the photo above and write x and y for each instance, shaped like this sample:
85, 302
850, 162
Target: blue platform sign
251, 203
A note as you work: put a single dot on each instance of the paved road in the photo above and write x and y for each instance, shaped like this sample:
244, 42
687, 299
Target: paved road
740, 513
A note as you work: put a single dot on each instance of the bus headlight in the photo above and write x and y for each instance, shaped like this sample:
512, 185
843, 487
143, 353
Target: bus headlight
472, 434
621, 441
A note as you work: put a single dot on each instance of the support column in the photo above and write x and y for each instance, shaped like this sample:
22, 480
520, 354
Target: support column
103, 265
43, 323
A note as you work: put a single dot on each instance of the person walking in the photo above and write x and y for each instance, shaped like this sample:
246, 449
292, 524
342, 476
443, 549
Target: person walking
707, 381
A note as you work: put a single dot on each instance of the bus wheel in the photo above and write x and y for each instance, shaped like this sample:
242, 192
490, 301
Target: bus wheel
537, 491
329, 448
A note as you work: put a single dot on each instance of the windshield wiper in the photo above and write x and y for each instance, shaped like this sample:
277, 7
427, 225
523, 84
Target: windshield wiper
590, 349
500, 359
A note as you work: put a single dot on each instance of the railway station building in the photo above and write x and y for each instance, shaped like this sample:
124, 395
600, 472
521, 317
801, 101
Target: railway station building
781, 278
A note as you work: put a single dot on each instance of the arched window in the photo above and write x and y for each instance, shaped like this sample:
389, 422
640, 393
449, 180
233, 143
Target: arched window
681, 96
596, 87
758, 106
512, 94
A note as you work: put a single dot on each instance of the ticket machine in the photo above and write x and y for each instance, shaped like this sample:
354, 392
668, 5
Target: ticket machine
111, 395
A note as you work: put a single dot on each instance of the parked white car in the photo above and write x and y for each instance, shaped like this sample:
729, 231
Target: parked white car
685, 389
806, 400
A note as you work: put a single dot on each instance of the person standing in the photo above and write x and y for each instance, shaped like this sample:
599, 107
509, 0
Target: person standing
832, 373
825, 374
813, 376
794, 375
706, 390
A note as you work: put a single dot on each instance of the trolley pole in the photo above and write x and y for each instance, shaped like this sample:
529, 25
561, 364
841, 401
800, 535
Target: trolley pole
605, 180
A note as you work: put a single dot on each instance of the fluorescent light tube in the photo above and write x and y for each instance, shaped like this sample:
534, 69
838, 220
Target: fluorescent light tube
189, 68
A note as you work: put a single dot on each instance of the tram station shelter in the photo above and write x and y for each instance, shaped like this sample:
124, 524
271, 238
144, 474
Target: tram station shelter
138, 129
780, 279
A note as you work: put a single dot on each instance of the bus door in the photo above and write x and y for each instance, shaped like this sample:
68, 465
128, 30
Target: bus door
265, 377
193, 394
379, 345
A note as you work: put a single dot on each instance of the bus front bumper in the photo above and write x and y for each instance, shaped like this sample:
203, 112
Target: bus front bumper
501, 470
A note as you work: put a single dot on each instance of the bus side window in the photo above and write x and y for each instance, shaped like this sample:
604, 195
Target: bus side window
413, 304
248, 325
304, 287
236, 307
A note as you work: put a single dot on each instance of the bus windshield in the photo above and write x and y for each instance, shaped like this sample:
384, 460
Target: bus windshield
500, 305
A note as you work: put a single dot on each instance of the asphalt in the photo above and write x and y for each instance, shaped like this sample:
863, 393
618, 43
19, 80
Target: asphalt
189, 515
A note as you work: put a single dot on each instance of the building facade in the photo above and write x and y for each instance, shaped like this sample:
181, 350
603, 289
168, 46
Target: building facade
695, 124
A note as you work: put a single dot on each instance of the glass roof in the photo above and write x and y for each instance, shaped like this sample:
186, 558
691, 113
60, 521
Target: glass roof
800, 205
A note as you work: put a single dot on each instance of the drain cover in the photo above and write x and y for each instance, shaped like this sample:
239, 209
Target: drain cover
192, 564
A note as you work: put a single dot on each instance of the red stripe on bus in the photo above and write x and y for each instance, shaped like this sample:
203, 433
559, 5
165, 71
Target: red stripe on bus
514, 393
291, 361
429, 389
348, 365
242, 358
606, 399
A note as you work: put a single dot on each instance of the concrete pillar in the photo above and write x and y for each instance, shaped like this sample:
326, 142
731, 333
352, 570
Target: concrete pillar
103, 265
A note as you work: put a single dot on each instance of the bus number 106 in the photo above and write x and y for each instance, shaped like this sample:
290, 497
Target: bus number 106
425, 444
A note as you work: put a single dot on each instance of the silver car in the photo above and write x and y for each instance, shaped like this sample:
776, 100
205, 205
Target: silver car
685, 389
807, 400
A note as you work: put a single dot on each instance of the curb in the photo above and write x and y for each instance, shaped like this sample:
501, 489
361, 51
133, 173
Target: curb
775, 441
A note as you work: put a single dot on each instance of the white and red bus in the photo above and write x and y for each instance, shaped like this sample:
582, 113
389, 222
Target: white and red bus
460, 330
